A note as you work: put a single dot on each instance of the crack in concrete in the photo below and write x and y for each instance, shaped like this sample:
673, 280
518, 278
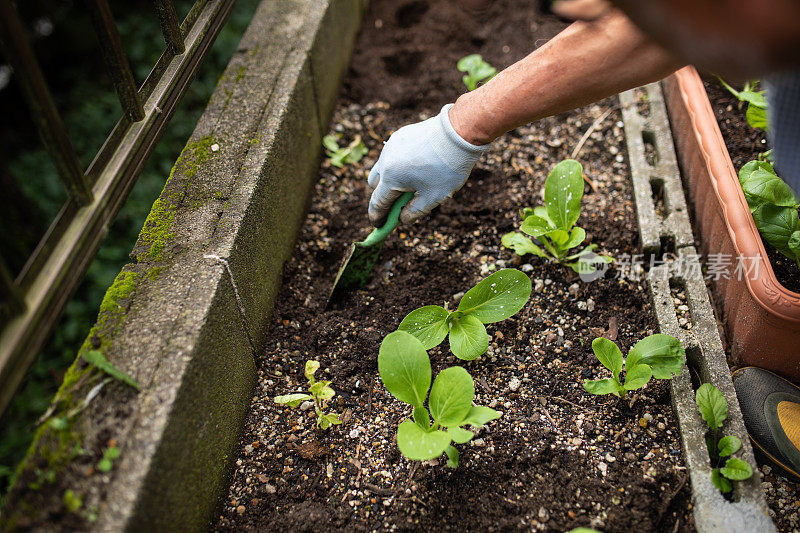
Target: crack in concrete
239, 302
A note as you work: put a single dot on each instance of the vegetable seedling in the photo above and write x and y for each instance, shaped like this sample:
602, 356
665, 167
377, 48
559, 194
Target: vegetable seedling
319, 391
405, 371
107, 462
714, 410
659, 356
553, 224
477, 70
352, 153
756, 113
496, 298
774, 206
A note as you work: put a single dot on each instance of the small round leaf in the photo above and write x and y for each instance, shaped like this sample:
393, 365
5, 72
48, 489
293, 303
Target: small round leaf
428, 324
468, 338
497, 297
736, 469
419, 445
405, 368
451, 396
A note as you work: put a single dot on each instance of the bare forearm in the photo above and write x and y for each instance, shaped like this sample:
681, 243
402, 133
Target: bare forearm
583, 64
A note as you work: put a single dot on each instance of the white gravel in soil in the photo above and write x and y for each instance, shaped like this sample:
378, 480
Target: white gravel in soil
356, 464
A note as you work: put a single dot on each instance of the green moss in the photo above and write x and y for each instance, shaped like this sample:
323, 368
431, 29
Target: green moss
153, 273
240, 74
157, 229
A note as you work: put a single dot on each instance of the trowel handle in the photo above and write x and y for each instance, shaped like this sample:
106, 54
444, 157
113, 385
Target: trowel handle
379, 234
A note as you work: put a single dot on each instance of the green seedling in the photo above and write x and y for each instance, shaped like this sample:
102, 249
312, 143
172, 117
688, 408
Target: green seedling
319, 391
477, 70
72, 501
496, 298
405, 371
774, 207
99, 361
656, 356
714, 410
553, 224
107, 462
352, 153
756, 113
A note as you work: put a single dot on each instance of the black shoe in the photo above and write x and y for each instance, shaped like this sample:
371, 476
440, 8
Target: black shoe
771, 410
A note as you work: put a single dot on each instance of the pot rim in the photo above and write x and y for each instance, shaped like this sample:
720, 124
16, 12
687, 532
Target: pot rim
763, 285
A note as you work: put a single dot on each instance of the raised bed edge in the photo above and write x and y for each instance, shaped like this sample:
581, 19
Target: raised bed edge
705, 355
185, 317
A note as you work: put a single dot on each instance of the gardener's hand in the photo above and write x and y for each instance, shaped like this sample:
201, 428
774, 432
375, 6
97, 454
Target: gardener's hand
429, 158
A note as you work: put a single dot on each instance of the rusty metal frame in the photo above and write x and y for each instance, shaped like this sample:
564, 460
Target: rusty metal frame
37, 296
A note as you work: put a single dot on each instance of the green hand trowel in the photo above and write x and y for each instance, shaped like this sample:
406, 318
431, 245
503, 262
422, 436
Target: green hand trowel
361, 256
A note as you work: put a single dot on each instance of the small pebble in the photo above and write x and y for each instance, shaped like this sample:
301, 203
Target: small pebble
514, 384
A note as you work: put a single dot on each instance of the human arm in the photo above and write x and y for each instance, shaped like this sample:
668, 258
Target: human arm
584, 63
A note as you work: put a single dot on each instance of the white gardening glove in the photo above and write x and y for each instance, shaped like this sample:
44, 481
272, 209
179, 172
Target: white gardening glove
428, 158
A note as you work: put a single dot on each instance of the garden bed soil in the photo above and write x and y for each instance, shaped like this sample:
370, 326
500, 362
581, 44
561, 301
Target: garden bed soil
744, 143
558, 458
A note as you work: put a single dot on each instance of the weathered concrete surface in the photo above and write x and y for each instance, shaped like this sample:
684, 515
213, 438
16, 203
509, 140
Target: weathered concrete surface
680, 268
655, 176
186, 316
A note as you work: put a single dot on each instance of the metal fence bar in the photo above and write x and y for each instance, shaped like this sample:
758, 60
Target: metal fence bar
63, 256
41, 104
169, 25
10, 294
115, 58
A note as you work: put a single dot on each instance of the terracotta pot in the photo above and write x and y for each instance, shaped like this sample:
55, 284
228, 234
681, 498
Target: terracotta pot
762, 317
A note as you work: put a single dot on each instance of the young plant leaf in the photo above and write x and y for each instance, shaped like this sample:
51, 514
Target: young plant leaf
576, 237
609, 355
310, 370
468, 338
98, 360
603, 386
728, 445
422, 418
460, 436
720, 482
563, 191
419, 445
497, 297
479, 415
292, 400
521, 244
452, 456
637, 376
451, 396
428, 324
405, 368
750, 167
663, 353
764, 187
777, 225
736, 469
712, 405
535, 226
757, 117
321, 390
477, 70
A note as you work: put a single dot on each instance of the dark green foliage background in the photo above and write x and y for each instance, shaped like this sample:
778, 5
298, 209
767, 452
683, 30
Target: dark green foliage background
32, 193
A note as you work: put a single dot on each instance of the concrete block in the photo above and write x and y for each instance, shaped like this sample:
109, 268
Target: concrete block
659, 198
186, 316
656, 181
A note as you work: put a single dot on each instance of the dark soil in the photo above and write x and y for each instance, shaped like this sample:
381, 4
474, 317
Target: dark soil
558, 458
744, 143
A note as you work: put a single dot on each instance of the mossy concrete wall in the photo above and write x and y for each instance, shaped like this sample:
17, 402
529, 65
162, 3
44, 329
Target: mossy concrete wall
186, 316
